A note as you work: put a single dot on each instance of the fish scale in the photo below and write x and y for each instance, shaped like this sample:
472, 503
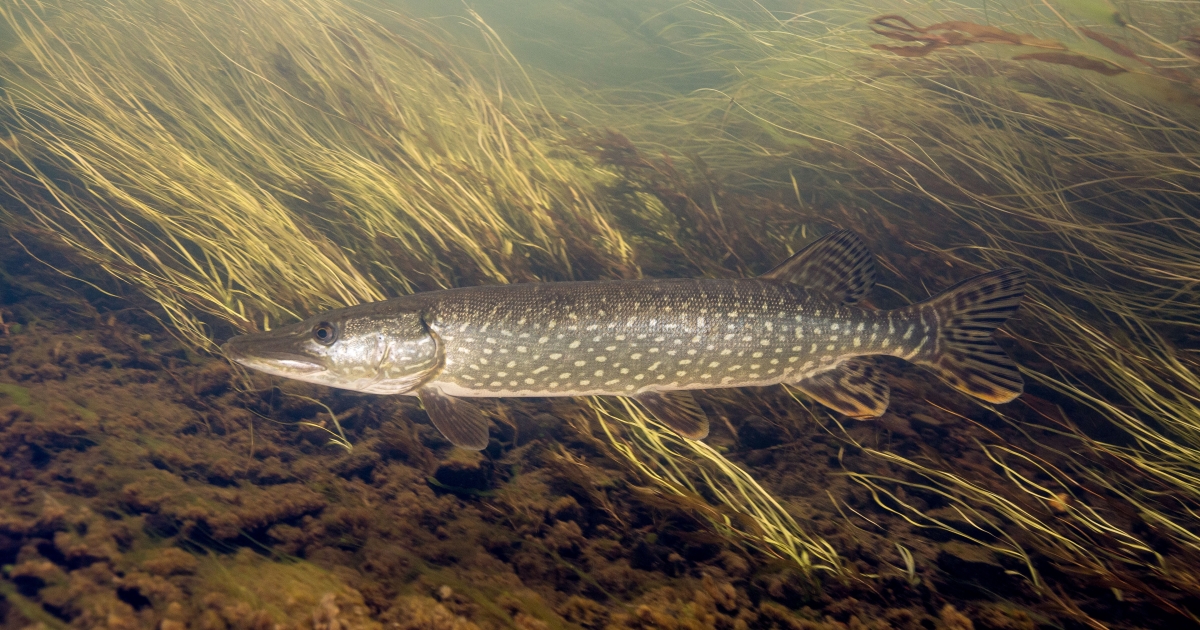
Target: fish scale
653, 340
625, 338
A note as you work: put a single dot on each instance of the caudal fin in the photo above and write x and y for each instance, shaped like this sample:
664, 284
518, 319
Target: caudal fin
966, 356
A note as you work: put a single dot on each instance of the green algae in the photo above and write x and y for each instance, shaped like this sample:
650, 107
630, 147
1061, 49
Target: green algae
486, 598
267, 584
287, 591
19, 396
28, 608
447, 576
468, 492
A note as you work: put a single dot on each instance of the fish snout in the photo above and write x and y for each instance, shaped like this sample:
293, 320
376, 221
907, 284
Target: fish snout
235, 348
271, 353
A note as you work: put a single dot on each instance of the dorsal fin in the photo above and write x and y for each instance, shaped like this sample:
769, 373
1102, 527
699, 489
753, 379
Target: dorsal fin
853, 388
839, 264
677, 410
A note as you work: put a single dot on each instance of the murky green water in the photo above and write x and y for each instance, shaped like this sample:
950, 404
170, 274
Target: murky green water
199, 178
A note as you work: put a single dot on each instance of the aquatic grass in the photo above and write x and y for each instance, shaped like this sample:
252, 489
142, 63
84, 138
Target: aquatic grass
1034, 506
255, 163
1118, 260
140, 175
259, 161
254, 179
728, 495
969, 159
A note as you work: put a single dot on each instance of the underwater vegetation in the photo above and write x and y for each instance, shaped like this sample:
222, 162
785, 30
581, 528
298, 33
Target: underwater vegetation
978, 150
257, 181
245, 164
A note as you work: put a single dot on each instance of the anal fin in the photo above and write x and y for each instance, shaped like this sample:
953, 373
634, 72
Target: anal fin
677, 410
852, 388
461, 422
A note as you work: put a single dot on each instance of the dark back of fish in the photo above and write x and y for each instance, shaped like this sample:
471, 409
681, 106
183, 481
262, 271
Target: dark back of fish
624, 338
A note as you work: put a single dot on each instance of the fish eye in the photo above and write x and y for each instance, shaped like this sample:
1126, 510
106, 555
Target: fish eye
324, 333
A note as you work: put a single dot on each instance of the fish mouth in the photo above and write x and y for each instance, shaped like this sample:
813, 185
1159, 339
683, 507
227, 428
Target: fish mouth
262, 352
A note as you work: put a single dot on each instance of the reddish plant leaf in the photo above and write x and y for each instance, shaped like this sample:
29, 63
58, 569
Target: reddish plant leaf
908, 51
991, 35
1079, 61
954, 33
1113, 45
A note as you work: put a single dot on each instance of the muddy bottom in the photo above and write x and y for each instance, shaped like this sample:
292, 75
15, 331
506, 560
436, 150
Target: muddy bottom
142, 486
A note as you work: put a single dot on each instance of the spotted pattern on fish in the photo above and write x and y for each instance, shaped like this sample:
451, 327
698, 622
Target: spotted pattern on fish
653, 340
623, 338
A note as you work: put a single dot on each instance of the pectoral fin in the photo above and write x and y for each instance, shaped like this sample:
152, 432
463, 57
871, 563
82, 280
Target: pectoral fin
853, 388
677, 410
461, 422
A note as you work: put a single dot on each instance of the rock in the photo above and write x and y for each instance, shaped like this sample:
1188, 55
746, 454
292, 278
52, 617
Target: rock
565, 509
954, 620
213, 379
566, 538
897, 424
171, 561
756, 432
540, 425
1001, 616
424, 613
734, 564
465, 470
926, 419
585, 612
969, 564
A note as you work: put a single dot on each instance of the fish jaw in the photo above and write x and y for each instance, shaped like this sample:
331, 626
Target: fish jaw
280, 352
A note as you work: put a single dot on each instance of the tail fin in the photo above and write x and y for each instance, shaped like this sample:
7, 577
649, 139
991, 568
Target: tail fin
966, 356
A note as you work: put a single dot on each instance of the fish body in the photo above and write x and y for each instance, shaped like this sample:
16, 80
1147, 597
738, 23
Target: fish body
625, 338
653, 340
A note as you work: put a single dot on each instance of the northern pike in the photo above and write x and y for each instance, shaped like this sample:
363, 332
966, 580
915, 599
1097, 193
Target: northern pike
652, 340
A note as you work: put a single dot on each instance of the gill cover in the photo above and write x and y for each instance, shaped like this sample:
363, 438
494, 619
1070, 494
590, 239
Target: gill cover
360, 348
